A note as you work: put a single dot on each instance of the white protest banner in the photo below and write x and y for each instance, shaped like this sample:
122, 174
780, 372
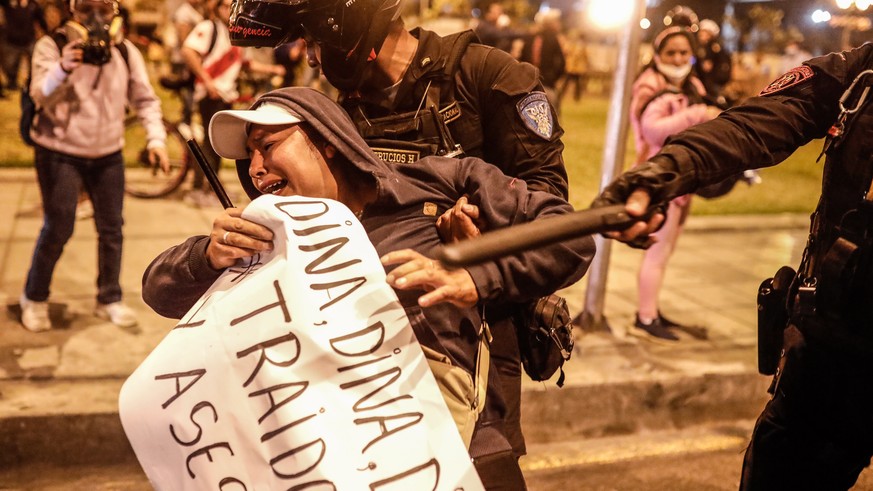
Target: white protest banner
297, 371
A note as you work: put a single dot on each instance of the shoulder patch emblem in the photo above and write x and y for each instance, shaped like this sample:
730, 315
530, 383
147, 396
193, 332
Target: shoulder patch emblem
536, 114
790, 79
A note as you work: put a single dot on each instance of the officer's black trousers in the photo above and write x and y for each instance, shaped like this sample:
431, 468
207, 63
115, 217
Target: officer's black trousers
500, 472
816, 433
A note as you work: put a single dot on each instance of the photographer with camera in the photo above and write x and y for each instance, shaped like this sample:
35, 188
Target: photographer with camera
85, 76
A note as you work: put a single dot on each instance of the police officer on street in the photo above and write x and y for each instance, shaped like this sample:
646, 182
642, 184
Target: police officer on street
816, 432
415, 93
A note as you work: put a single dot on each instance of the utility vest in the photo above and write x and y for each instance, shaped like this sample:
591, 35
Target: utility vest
437, 126
835, 278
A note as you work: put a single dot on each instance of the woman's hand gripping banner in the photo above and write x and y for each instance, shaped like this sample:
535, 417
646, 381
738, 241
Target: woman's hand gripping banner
298, 370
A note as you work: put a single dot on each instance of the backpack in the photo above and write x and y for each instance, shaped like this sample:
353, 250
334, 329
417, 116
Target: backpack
28, 106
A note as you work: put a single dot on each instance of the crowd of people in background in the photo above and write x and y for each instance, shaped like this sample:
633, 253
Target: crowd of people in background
24, 21
190, 52
815, 432
560, 50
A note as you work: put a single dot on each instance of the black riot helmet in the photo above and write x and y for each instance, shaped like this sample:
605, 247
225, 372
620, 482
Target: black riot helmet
263, 23
347, 31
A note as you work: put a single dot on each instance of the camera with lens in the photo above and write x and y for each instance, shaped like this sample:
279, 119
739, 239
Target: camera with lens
95, 51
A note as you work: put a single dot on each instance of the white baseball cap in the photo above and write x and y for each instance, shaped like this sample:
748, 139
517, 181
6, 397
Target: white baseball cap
228, 130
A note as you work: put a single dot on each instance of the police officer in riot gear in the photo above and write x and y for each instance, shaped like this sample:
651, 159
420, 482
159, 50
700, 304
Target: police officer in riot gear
414, 93
491, 105
817, 430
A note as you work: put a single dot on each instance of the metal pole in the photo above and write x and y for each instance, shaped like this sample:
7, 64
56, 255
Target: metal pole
592, 317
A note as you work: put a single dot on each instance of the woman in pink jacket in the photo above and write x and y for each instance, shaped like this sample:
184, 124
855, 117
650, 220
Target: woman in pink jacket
667, 99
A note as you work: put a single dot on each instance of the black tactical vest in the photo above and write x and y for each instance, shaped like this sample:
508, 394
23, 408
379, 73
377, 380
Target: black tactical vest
437, 125
840, 255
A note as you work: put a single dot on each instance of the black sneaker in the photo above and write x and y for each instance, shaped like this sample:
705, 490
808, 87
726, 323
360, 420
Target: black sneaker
699, 332
654, 331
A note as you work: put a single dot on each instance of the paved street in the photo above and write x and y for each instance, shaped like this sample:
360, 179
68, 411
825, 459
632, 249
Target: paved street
59, 389
705, 458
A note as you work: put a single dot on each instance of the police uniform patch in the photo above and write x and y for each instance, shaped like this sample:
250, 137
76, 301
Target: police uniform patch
451, 112
536, 113
790, 79
396, 155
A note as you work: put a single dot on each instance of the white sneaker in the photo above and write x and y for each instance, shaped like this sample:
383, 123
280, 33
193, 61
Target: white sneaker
117, 313
34, 315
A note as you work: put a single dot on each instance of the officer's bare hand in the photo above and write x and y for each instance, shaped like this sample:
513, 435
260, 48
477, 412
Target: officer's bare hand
636, 205
158, 156
459, 222
234, 238
417, 272
71, 56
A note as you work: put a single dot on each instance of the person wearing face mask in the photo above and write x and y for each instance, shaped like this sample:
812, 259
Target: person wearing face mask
666, 99
85, 76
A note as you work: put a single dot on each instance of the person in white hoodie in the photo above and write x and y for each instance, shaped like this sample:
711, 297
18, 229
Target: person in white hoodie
85, 76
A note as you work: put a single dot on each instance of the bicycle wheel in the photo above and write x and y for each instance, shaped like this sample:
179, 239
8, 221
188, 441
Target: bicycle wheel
141, 178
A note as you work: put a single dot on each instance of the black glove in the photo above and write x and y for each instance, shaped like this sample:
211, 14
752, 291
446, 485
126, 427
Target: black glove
661, 184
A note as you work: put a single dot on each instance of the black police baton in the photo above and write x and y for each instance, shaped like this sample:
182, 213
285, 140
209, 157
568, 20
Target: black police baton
532, 235
211, 176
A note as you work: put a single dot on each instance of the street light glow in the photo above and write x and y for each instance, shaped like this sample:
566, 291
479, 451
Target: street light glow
820, 16
609, 14
861, 5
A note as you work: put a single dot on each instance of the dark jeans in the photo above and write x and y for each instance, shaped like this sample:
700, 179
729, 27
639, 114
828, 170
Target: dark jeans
11, 58
208, 107
60, 179
506, 360
816, 433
